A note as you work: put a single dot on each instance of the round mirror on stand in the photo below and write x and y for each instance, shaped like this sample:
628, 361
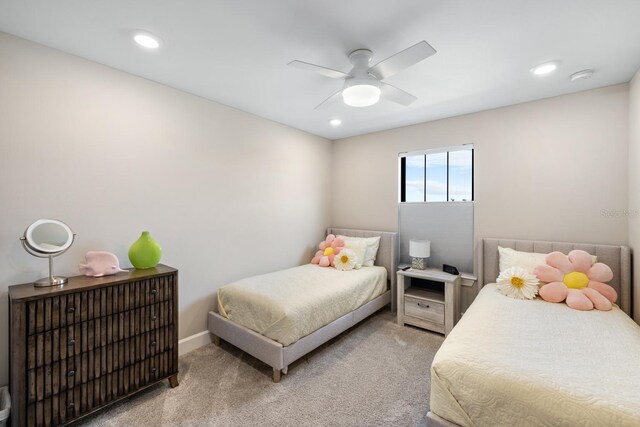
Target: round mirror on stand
48, 238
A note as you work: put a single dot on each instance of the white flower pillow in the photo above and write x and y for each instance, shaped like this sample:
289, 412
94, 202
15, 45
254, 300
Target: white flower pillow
359, 250
371, 248
516, 282
345, 260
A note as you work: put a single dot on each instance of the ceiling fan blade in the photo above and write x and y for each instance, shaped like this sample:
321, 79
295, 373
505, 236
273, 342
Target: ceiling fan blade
401, 60
330, 100
394, 94
323, 71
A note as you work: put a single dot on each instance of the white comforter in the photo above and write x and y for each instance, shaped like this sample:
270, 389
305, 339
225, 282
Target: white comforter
289, 304
533, 363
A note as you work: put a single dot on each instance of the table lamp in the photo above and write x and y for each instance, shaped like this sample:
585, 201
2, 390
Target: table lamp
419, 251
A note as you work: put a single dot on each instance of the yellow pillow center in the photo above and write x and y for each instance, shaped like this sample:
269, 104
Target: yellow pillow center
344, 258
517, 282
328, 251
576, 280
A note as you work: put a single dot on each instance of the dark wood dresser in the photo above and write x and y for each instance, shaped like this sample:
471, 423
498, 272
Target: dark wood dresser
84, 345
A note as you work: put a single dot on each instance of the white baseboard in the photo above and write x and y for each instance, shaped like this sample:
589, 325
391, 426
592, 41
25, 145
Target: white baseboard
193, 342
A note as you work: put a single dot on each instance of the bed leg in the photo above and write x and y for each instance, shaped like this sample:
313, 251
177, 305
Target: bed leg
276, 375
216, 341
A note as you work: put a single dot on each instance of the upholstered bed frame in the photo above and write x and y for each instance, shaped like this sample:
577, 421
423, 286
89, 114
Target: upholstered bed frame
616, 257
279, 357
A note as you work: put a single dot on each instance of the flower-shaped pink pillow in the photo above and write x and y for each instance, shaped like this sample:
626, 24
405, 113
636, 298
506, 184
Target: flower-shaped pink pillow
329, 248
573, 278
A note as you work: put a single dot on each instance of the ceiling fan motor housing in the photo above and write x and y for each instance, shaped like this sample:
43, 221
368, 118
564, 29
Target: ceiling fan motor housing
361, 60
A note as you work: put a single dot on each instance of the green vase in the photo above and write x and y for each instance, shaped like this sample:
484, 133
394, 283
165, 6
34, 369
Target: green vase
145, 252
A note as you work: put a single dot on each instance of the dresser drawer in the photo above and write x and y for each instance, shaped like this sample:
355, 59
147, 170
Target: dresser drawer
65, 404
62, 343
46, 314
424, 309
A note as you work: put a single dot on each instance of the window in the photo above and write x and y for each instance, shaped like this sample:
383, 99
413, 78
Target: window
437, 175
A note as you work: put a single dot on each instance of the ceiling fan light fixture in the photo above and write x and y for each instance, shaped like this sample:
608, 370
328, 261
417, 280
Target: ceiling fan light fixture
361, 95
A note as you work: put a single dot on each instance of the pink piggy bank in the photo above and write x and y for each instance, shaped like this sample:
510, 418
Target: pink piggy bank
100, 264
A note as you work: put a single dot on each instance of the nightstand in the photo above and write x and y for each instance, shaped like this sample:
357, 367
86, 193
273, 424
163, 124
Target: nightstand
435, 310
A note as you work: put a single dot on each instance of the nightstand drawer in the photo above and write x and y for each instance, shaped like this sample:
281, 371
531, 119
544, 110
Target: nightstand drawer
424, 309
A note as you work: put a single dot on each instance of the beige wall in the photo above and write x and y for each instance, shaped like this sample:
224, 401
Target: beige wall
543, 170
226, 194
634, 188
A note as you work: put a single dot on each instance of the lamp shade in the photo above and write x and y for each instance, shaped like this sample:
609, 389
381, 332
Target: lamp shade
419, 248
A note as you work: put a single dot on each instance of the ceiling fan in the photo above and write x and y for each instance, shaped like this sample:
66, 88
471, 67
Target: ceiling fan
363, 85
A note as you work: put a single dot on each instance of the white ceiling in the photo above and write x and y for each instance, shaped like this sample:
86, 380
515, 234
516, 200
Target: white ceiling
235, 52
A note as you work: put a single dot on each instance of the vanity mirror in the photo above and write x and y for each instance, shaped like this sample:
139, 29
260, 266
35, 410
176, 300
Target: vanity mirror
48, 238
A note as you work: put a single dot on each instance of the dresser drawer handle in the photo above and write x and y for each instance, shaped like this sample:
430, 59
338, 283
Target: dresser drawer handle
72, 343
71, 373
423, 305
154, 291
153, 370
72, 405
71, 310
153, 343
154, 317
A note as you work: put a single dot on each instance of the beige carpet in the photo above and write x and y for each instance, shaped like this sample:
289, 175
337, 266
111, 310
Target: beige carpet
375, 374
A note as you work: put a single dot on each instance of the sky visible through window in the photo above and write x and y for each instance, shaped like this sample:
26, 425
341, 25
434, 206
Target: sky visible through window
460, 177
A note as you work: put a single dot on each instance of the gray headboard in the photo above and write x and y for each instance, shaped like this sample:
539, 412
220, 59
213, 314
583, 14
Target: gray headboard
387, 252
616, 257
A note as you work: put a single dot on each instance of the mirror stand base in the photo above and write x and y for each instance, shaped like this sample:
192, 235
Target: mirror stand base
51, 281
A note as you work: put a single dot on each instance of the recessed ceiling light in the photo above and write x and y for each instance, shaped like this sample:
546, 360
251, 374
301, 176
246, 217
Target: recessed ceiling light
146, 39
335, 122
581, 75
546, 68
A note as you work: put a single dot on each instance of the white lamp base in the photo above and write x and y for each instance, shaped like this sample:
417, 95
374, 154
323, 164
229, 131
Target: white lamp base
419, 263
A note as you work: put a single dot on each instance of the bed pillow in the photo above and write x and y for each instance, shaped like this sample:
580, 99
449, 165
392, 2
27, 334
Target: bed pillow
371, 248
359, 249
510, 258
527, 260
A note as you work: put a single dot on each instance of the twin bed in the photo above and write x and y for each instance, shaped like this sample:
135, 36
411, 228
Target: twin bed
512, 362
281, 316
